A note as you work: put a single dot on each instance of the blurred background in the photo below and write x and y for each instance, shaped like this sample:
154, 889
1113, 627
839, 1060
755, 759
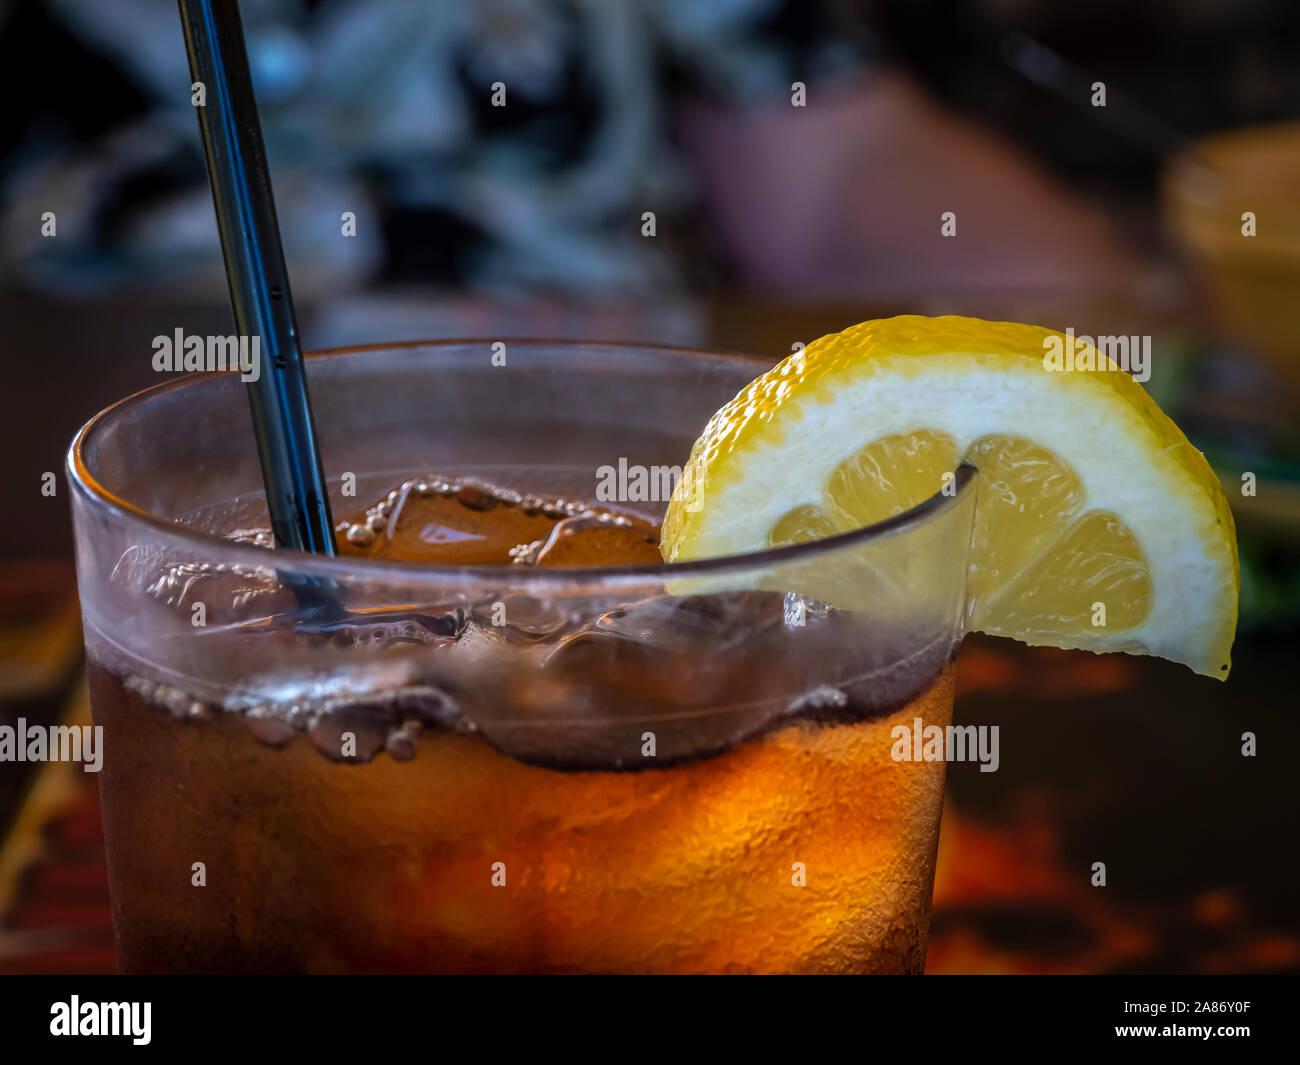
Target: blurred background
651, 170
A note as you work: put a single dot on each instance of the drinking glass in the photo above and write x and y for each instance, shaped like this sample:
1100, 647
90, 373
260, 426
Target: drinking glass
349, 764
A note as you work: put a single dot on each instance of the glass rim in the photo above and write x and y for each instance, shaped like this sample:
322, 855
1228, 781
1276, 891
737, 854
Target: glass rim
85, 483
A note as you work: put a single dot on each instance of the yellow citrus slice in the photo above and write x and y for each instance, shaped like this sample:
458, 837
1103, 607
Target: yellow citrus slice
1088, 493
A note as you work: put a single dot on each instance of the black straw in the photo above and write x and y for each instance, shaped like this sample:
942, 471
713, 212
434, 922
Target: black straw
296, 494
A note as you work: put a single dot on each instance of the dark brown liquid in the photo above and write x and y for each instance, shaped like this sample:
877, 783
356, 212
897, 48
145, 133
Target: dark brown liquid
474, 523
707, 748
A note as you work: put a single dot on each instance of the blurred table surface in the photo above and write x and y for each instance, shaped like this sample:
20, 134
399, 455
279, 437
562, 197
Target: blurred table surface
1128, 761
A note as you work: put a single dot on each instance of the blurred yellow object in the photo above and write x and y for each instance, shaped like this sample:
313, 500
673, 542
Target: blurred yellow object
1219, 190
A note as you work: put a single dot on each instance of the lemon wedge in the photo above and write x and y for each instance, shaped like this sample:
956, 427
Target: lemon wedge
1088, 493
